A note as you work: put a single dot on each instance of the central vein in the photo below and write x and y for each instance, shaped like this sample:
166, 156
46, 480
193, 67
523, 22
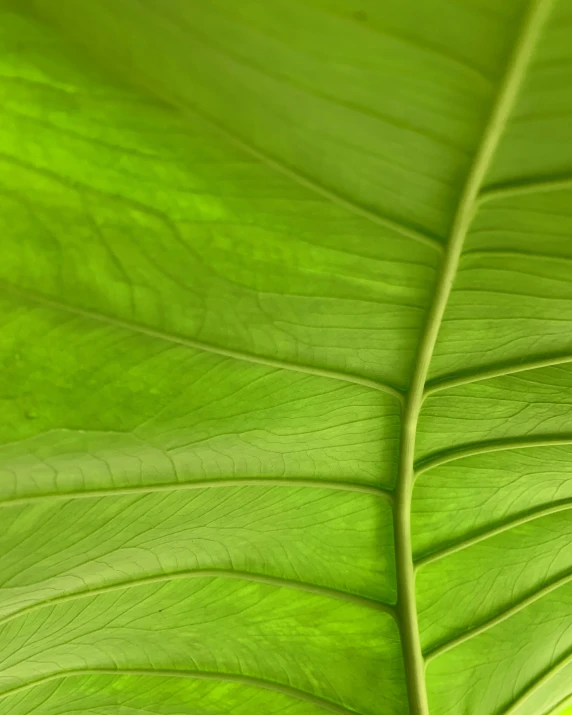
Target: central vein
509, 86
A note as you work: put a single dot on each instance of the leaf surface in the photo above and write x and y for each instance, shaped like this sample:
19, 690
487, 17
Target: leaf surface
287, 361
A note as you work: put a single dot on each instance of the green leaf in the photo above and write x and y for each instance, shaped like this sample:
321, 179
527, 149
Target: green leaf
286, 344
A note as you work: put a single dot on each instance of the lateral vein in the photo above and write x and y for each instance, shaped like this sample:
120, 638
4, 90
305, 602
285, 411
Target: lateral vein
525, 187
198, 675
503, 526
500, 618
467, 378
416, 234
539, 683
500, 445
198, 345
200, 484
325, 591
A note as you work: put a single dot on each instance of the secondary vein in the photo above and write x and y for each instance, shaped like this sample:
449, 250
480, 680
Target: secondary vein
267, 580
499, 528
539, 683
198, 345
200, 484
500, 618
198, 675
467, 378
499, 445
525, 187
187, 108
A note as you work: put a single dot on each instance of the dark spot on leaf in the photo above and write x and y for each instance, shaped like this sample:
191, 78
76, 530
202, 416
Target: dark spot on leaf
360, 15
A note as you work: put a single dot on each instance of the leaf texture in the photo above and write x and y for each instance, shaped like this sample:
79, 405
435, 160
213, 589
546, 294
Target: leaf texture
285, 309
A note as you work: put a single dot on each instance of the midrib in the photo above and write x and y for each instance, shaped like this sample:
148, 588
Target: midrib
531, 27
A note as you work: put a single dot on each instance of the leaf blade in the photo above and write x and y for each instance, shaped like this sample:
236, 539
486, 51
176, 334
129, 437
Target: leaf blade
170, 250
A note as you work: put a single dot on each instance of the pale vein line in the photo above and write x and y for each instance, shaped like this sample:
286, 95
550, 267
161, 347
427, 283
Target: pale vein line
525, 187
289, 583
558, 709
468, 203
474, 632
538, 684
197, 345
196, 675
408, 231
499, 445
200, 484
186, 108
423, 237
467, 378
563, 505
